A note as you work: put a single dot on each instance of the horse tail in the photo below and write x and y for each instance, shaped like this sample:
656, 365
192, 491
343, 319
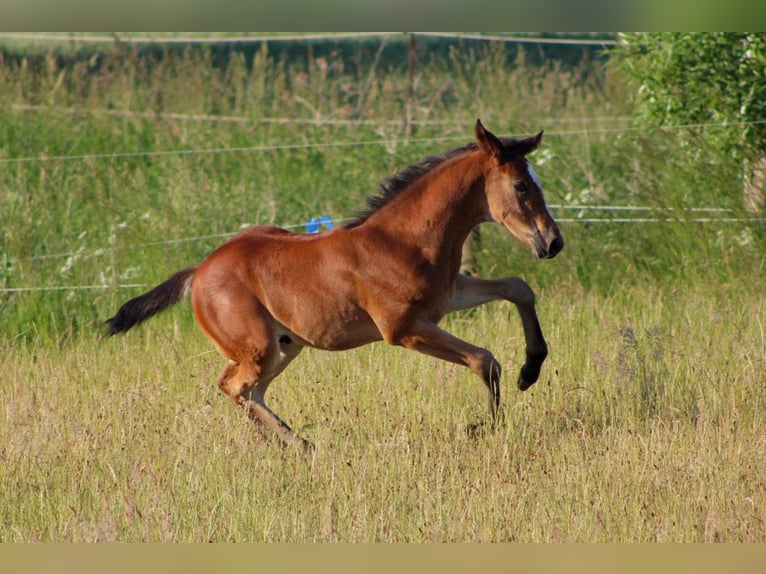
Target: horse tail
144, 306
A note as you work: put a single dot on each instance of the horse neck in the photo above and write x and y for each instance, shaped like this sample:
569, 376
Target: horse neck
439, 210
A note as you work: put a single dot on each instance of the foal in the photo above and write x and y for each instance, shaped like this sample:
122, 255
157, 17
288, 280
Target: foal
391, 275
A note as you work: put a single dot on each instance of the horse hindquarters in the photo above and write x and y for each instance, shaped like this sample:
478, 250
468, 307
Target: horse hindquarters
244, 332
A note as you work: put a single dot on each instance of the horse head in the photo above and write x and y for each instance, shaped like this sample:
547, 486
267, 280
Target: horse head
514, 195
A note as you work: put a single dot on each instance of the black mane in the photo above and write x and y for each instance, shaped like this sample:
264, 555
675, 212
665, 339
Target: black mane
394, 185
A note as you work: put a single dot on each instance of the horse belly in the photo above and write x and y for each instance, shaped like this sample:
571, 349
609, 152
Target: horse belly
333, 329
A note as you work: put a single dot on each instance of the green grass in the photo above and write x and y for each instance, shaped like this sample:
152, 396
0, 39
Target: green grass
647, 423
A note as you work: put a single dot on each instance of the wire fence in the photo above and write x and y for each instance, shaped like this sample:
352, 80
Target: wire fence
271, 120
256, 39
659, 216
584, 212
352, 143
671, 216
691, 215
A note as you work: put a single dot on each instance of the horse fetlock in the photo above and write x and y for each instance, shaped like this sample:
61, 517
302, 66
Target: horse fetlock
491, 372
538, 354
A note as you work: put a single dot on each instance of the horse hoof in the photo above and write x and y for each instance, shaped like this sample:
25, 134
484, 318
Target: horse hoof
524, 385
476, 430
308, 447
299, 444
527, 377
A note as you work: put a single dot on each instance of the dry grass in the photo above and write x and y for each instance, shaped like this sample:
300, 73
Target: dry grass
654, 438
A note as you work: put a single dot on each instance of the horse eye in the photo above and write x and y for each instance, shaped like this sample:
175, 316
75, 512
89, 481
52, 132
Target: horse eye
521, 186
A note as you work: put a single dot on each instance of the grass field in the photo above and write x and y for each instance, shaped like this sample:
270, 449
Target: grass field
647, 423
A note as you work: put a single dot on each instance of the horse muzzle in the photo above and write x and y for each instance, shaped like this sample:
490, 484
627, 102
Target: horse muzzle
547, 249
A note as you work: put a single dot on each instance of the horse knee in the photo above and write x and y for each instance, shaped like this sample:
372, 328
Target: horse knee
520, 292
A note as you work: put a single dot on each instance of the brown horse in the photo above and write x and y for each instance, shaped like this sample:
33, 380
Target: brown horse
391, 274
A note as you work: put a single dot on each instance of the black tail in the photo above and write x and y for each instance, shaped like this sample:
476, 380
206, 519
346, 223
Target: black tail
149, 304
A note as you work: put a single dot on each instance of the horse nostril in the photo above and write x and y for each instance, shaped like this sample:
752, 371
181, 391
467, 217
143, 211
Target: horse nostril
556, 246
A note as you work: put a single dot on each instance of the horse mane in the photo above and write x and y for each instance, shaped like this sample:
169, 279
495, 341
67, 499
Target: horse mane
394, 185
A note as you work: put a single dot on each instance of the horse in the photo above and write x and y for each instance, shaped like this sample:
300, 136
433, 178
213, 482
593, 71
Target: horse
390, 274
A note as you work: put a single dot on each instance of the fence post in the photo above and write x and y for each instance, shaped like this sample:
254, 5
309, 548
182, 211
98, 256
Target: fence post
411, 86
755, 184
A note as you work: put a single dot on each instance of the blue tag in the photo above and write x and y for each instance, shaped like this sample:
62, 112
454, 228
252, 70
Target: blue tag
312, 225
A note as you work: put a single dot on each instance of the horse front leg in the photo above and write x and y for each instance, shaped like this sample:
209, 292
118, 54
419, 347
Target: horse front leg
426, 337
472, 292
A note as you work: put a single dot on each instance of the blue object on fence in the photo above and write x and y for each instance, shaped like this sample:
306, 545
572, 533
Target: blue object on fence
312, 225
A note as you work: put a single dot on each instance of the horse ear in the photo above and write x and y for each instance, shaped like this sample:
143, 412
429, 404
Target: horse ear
488, 142
530, 144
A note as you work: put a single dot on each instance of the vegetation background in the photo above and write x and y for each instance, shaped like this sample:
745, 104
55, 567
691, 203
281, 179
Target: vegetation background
123, 162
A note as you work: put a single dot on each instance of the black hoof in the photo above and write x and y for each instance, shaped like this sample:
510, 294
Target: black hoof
528, 376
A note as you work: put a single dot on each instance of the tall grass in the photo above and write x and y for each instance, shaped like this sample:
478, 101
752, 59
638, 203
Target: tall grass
654, 436
647, 423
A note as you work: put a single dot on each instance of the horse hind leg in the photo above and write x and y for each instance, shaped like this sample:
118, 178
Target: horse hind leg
243, 331
246, 383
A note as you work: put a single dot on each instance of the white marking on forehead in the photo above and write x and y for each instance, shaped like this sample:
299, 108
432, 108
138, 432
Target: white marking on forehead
534, 177
539, 185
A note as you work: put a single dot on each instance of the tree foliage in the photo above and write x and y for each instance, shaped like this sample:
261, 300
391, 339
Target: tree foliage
716, 80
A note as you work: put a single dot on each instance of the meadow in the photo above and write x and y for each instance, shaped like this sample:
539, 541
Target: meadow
120, 166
